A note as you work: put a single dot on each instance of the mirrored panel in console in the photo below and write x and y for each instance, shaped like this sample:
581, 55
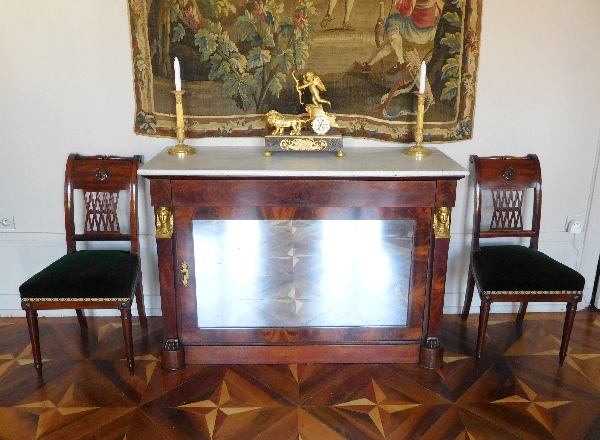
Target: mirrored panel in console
302, 273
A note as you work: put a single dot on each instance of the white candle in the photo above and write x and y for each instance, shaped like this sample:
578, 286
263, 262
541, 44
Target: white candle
177, 75
422, 78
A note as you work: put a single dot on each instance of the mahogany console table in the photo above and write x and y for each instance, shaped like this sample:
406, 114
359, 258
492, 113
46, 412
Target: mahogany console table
239, 183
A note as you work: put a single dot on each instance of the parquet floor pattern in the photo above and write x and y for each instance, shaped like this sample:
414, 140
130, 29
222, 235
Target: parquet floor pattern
518, 391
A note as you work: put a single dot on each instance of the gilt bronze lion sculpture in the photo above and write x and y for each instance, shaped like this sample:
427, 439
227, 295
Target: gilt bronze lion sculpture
280, 121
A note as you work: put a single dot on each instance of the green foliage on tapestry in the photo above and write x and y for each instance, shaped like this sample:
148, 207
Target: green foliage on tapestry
268, 46
216, 9
452, 67
453, 41
453, 18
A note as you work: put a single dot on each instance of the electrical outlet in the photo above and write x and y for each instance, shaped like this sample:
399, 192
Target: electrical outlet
570, 220
7, 222
575, 227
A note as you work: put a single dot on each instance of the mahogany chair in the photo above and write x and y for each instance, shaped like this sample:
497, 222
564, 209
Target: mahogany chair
510, 272
93, 278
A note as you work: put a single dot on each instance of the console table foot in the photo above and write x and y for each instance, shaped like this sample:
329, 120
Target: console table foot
172, 355
431, 355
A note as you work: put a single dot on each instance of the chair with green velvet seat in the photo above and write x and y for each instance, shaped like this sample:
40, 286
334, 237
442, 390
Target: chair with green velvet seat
93, 278
513, 272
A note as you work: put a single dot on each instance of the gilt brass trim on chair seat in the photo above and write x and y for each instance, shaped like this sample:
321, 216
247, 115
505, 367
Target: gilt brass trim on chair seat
76, 299
534, 292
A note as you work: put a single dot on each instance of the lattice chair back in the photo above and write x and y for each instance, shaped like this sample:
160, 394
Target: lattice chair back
508, 209
103, 182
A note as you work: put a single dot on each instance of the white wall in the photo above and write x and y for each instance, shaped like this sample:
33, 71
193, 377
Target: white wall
66, 86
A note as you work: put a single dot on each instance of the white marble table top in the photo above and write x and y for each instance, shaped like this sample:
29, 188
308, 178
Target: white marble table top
248, 161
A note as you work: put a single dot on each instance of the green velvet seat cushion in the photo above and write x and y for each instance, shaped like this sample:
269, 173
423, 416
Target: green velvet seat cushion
519, 268
92, 274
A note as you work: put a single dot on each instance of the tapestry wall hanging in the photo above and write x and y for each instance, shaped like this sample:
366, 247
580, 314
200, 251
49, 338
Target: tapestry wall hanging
237, 58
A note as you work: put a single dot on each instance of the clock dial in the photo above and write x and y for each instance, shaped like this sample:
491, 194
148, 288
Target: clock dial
320, 125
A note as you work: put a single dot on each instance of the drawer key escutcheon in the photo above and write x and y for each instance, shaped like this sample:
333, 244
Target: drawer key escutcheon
185, 273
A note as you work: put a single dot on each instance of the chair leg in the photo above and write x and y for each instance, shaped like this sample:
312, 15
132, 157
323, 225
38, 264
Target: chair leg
81, 318
468, 295
127, 335
139, 300
484, 315
522, 310
34, 336
571, 309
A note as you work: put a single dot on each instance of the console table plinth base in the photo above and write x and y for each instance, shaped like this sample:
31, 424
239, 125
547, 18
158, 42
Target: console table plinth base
304, 142
300, 354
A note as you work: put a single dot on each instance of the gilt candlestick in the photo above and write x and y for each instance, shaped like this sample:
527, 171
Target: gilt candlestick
418, 150
181, 148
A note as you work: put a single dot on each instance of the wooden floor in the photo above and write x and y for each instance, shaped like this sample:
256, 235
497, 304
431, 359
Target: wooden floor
518, 391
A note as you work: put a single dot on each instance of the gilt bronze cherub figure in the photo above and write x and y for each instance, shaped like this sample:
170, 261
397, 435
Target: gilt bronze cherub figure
318, 119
